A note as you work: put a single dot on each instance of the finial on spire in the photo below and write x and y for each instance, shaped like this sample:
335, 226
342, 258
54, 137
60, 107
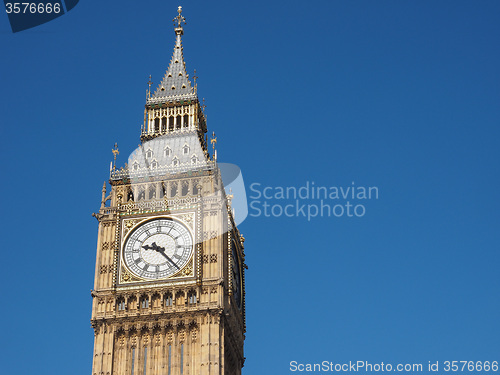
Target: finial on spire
194, 81
115, 153
103, 199
149, 86
178, 21
213, 141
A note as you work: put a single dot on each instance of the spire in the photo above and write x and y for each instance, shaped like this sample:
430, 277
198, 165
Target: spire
175, 84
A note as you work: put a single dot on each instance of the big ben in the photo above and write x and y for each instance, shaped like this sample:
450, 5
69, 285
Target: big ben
169, 292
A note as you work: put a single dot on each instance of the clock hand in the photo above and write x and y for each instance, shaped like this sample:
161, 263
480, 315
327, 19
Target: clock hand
158, 248
153, 246
162, 252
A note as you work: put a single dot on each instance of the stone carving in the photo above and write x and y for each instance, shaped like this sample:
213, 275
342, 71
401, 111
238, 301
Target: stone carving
127, 277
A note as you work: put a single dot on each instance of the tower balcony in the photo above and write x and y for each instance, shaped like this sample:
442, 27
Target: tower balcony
160, 172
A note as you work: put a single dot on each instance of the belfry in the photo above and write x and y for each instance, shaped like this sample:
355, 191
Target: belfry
169, 289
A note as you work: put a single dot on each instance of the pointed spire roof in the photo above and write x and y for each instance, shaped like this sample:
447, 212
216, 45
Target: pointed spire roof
175, 84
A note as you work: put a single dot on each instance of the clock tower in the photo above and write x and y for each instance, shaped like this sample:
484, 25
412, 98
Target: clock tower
169, 292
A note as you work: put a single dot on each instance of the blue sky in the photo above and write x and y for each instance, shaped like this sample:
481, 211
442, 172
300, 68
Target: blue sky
401, 95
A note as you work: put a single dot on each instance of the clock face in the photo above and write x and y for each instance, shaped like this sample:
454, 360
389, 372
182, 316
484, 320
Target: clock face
158, 249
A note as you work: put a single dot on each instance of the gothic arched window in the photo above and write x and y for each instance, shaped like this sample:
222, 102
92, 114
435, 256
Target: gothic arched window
152, 192
192, 297
168, 299
121, 304
173, 189
195, 187
142, 195
185, 188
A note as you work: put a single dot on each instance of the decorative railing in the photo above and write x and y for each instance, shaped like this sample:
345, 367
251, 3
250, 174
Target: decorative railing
185, 129
108, 210
155, 310
141, 172
158, 204
171, 98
